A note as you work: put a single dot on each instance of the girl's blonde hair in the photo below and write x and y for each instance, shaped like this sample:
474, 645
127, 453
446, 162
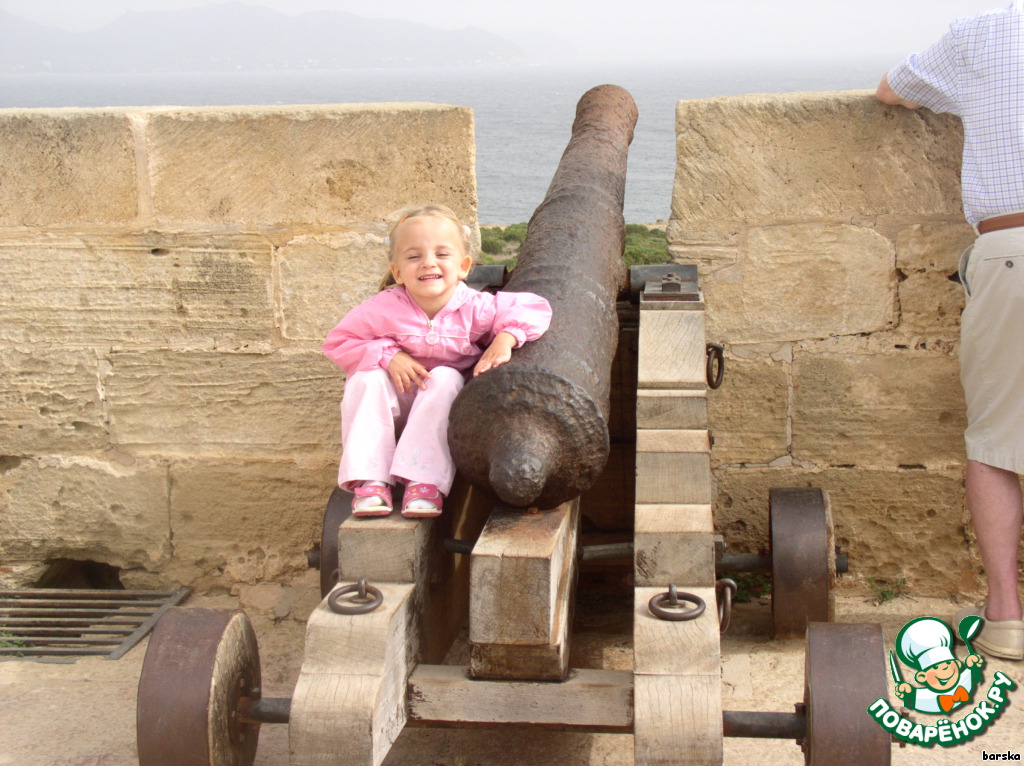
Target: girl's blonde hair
415, 211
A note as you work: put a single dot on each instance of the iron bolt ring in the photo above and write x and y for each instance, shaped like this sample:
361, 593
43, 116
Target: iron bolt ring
716, 364
725, 589
666, 605
360, 603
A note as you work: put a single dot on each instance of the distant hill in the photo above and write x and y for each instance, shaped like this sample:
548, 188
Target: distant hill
234, 36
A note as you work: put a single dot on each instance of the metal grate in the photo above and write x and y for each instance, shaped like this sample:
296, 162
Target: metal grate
71, 623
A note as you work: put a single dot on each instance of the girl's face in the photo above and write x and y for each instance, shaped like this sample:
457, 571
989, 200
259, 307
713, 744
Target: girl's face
429, 260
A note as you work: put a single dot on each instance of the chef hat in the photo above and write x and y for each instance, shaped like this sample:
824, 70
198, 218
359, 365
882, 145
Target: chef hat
924, 642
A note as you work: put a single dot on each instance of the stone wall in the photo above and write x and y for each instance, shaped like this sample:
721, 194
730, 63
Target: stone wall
825, 227
168, 277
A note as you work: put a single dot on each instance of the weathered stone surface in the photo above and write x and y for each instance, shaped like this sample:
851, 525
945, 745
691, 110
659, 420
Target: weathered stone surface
168, 278
324, 275
803, 281
930, 308
749, 414
83, 509
877, 410
49, 402
147, 289
66, 166
899, 524
924, 247
246, 522
791, 157
280, 405
926, 256
317, 165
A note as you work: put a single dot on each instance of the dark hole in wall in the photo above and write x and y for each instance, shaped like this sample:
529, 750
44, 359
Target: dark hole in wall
69, 573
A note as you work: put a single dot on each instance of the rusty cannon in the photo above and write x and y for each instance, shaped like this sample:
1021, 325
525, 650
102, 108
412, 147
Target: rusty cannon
615, 398
534, 432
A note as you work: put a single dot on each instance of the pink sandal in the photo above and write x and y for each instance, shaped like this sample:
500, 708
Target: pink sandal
427, 492
384, 493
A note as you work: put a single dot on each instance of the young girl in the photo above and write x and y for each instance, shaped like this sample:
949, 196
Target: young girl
406, 352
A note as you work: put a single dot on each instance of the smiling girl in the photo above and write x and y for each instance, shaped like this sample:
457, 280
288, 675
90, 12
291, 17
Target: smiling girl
406, 353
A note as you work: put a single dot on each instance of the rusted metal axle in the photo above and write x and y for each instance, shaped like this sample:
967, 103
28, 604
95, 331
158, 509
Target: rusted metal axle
735, 723
534, 432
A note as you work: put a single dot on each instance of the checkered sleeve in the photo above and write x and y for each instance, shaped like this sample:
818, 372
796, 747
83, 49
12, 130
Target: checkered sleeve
929, 78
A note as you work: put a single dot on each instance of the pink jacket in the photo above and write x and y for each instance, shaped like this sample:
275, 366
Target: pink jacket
372, 333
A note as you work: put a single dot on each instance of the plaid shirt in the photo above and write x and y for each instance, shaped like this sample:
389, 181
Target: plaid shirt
976, 71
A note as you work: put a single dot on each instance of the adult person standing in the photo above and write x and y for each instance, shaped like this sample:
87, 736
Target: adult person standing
976, 71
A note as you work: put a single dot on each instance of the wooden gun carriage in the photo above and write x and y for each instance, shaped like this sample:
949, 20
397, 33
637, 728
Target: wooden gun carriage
605, 416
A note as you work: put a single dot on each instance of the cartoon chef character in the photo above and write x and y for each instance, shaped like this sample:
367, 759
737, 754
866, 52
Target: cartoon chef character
927, 645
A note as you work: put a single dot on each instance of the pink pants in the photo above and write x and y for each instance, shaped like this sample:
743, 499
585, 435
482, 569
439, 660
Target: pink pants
373, 412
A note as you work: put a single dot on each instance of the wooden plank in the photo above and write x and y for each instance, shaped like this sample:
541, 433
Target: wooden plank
382, 548
516, 575
349, 703
522, 574
676, 648
533, 662
674, 518
673, 440
667, 408
446, 693
673, 477
672, 352
674, 305
674, 544
444, 591
394, 549
677, 720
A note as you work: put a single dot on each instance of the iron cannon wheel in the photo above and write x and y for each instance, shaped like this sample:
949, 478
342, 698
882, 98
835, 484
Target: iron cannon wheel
339, 508
844, 672
803, 559
201, 671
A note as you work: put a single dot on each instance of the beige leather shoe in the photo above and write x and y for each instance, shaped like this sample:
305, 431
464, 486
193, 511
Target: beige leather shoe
998, 638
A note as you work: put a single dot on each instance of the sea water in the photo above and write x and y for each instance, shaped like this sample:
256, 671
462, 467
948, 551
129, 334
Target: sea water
523, 115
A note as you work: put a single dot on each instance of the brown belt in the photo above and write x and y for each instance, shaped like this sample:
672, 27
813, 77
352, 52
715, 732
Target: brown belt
1011, 221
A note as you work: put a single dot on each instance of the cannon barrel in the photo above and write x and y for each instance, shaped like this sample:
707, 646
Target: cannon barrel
534, 432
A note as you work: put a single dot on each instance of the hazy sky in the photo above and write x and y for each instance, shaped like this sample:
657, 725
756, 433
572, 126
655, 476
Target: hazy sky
649, 29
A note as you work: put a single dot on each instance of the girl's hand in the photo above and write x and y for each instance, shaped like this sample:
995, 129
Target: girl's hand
406, 372
499, 352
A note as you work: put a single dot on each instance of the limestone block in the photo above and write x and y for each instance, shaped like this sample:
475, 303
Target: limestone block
877, 409
803, 281
319, 165
66, 166
749, 414
83, 509
246, 522
932, 246
800, 157
930, 308
926, 255
324, 275
282, 405
184, 290
49, 402
899, 524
